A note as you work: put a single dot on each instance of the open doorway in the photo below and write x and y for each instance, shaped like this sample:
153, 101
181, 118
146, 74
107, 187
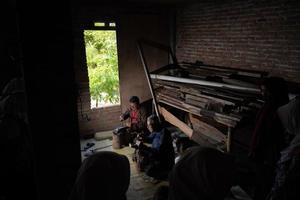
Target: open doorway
102, 63
100, 103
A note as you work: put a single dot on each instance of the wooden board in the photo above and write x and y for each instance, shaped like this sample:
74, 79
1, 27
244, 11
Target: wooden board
194, 110
169, 117
207, 141
205, 83
198, 135
207, 130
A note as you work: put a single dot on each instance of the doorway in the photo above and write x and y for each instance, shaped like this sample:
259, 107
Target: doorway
102, 64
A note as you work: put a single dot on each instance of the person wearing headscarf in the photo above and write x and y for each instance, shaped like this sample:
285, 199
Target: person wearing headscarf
202, 173
268, 137
159, 158
268, 130
287, 181
103, 175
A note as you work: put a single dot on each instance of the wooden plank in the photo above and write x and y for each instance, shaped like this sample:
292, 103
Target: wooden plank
222, 93
205, 83
227, 120
197, 98
175, 106
169, 117
212, 122
207, 130
168, 92
169, 98
195, 103
220, 120
239, 82
149, 80
204, 103
224, 96
191, 94
207, 141
214, 92
229, 139
194, 135
210, 113
198, 94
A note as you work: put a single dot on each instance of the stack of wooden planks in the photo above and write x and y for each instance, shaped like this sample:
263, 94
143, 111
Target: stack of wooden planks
216, 98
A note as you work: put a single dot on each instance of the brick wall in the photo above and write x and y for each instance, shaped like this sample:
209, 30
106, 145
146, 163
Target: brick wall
100, 119
254, 34
148, 25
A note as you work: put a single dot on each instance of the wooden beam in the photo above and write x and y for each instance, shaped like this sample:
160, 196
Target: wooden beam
205, 83
145, 66
195, 135
228, 139
223, 121
207, 130
225, 102
202, 111
169, 117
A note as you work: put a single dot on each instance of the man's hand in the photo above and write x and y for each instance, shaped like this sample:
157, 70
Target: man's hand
121, 118
139, 137
138, 142
128, 124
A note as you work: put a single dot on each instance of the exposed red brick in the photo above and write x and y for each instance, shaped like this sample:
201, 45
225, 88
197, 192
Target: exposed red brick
258, 35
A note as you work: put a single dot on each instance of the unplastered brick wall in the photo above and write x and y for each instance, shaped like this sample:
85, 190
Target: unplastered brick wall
150, 24
258, 35
95, 119
99, 119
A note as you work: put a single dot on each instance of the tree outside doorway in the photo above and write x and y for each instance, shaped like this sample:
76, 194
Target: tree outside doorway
102, 63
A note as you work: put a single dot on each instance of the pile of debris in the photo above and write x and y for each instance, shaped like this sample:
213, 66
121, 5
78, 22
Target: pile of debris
216, 98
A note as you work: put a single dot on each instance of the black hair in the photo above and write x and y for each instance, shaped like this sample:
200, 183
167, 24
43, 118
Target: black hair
277, 89
134, 99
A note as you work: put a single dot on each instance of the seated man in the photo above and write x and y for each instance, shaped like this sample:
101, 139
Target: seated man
136, 114
137, 119
159, 158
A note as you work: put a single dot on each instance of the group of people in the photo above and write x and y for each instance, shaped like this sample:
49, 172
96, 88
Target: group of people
201, 172
197, 175
156, 159
275, 144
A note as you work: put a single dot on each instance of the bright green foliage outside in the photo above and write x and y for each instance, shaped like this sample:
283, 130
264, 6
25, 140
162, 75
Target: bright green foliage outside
102, 62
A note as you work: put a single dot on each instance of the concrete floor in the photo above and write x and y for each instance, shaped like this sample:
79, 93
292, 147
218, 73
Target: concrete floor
138, 188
